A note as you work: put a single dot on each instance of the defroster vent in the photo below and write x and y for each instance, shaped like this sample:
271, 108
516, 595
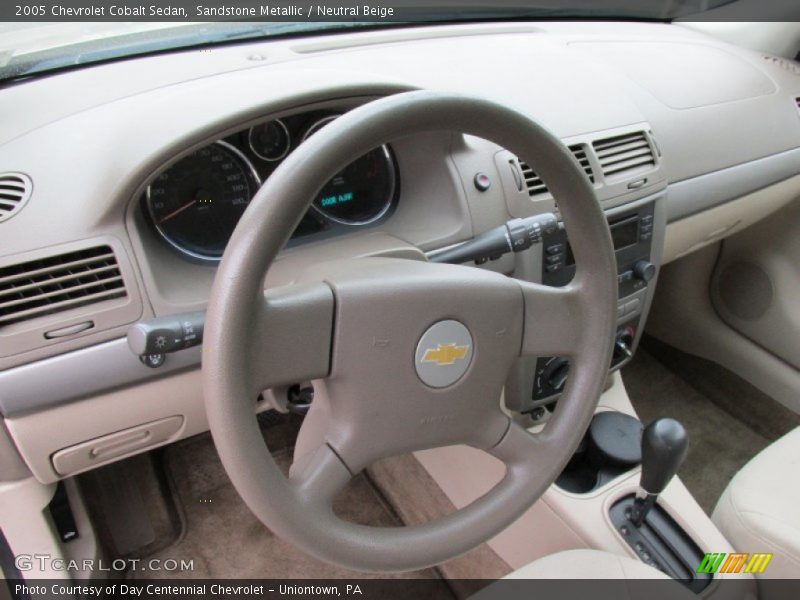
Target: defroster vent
58, 283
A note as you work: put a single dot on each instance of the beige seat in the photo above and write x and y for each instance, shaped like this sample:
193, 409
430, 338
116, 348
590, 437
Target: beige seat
595, 564
758, 512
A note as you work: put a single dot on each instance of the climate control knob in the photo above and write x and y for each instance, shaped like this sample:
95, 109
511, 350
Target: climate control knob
644, 270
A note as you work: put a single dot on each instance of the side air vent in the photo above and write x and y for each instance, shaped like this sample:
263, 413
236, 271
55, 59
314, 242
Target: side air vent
15, 190
580, 154
534, 183
58, 283
797, 102
624, 153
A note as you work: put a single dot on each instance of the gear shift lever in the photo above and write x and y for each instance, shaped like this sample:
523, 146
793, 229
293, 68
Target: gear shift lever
664, 446
646, 527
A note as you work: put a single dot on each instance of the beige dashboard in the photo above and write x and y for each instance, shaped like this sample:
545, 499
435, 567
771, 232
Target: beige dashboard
721, 125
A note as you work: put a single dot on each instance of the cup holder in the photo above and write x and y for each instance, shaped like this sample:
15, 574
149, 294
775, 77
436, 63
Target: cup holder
612, 446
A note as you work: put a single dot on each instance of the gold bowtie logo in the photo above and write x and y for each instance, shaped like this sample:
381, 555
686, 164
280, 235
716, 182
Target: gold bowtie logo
445, 354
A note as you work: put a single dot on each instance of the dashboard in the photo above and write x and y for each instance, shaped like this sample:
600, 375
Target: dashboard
195, 203
130, 185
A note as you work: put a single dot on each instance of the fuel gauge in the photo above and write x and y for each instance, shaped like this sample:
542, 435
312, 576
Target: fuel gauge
270, 141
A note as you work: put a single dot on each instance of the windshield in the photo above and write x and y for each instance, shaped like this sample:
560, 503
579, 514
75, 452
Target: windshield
28, 48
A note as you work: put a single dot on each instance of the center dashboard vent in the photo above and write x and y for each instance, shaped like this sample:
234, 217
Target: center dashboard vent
534, 183
623, 154
58, 283
15, 191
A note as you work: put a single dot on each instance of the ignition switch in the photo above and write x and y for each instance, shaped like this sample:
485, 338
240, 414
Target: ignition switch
623, 346
300, 398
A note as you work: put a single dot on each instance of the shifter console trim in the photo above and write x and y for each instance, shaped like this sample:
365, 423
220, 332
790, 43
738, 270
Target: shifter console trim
661, 543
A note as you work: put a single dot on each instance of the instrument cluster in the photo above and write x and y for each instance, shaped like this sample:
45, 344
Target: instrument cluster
195, 203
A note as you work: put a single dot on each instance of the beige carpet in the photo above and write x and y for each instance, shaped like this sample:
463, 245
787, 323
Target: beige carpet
417, 498
727, 421
225, 540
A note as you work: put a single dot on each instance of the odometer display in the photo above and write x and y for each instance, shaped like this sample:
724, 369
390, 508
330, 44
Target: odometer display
363, 192
197, 202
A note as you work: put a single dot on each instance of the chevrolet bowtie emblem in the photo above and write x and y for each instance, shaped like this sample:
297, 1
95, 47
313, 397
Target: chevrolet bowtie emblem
445, 354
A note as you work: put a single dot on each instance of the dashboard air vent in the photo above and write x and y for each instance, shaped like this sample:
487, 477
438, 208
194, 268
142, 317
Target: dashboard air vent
580, 154
15, 190
57, 283
535, 184
624, 153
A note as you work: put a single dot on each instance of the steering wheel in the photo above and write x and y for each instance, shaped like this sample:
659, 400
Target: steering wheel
405, 355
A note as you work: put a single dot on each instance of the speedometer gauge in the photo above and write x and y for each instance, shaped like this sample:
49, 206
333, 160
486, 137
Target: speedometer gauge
196, 203
363, 192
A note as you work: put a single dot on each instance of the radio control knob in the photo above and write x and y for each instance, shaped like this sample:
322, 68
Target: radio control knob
644, 270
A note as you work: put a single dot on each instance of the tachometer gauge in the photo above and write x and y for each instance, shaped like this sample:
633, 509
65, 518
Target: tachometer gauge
196, 203
270, 141
363, 192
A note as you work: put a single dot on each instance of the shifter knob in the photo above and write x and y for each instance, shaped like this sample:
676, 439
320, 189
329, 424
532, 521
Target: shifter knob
664, 446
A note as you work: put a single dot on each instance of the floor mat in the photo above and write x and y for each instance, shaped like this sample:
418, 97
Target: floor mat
720, 443
225, 540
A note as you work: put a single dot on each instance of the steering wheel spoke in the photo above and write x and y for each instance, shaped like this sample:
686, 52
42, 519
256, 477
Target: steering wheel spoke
554, 319
518, 446
320, 477
291, 335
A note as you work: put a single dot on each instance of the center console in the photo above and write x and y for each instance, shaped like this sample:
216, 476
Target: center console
595, 509
637, 234
599, 500
617, 443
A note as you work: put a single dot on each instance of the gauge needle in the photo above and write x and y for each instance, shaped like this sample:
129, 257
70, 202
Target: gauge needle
177, 211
